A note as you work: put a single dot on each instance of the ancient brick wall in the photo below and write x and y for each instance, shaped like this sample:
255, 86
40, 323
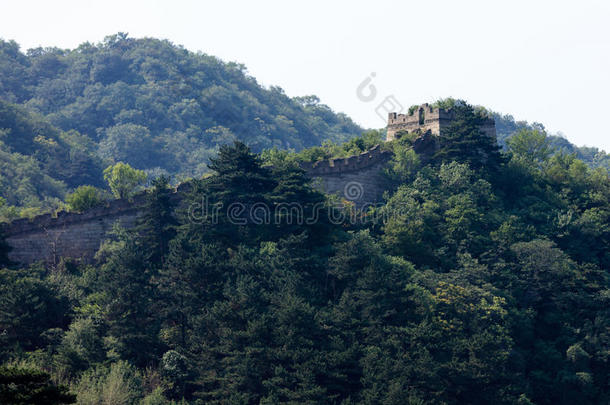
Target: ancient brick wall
359, 179
71, 235
46, 238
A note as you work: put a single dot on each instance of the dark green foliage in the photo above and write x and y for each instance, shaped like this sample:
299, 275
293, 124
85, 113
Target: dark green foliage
463, 141
4, 250
156, 225
442, 212
479, 284
176, 374
29, 306
229, 199
126, 301
23, 386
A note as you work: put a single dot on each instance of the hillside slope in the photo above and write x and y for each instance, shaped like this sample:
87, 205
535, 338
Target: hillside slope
67, 114
158, 106
506, 126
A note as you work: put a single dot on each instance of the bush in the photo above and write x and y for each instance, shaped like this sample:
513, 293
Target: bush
84, 198
121, 384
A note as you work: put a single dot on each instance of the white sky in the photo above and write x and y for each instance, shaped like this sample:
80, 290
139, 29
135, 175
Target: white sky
545, 61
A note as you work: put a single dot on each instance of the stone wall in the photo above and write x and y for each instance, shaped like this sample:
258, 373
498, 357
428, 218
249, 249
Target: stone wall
47, 238
359, 179
71, 235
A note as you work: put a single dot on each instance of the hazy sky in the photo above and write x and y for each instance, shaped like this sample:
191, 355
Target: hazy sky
545, 61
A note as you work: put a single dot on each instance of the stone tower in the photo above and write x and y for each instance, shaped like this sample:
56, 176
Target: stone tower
426, 118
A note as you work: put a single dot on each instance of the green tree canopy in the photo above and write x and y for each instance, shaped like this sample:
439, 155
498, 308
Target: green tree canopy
123, 179
30, 386
464, 142
84, 198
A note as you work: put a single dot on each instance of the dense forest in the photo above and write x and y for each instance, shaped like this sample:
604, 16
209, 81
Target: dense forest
482, 279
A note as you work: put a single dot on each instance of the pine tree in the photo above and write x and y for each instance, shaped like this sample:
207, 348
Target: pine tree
464, 142
235, 199
156, 226
31, 386
296, 203
126, 298
191, 279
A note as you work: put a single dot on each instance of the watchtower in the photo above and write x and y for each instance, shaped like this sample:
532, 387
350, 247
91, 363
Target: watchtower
425, 118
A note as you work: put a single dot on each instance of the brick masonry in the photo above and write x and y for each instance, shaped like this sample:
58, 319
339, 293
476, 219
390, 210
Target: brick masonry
71, 235
359, 179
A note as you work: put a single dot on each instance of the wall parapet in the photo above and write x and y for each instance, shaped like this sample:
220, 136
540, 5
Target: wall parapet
118, 207
338, 166
65, 218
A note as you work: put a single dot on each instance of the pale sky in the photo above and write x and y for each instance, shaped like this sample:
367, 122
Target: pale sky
545, 61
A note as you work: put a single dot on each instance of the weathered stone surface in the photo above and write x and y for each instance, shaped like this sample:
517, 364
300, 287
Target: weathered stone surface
46, 238
359, 179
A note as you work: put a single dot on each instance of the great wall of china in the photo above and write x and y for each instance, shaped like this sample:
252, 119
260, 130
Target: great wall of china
359, 179
47, 237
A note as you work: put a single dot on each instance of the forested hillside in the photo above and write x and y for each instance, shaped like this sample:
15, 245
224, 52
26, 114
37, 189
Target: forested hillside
483, 279
39, 163
67, 114
506, 126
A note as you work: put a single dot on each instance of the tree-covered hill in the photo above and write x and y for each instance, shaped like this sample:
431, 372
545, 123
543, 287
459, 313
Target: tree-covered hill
65, 115
157, 105
38, 162
507, 126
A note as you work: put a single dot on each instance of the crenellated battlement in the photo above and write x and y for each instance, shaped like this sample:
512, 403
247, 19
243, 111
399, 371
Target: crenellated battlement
64, 219
73, 235
430, 114
337, 166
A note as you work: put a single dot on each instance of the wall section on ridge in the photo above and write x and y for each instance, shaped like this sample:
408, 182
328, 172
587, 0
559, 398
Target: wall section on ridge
359, 179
